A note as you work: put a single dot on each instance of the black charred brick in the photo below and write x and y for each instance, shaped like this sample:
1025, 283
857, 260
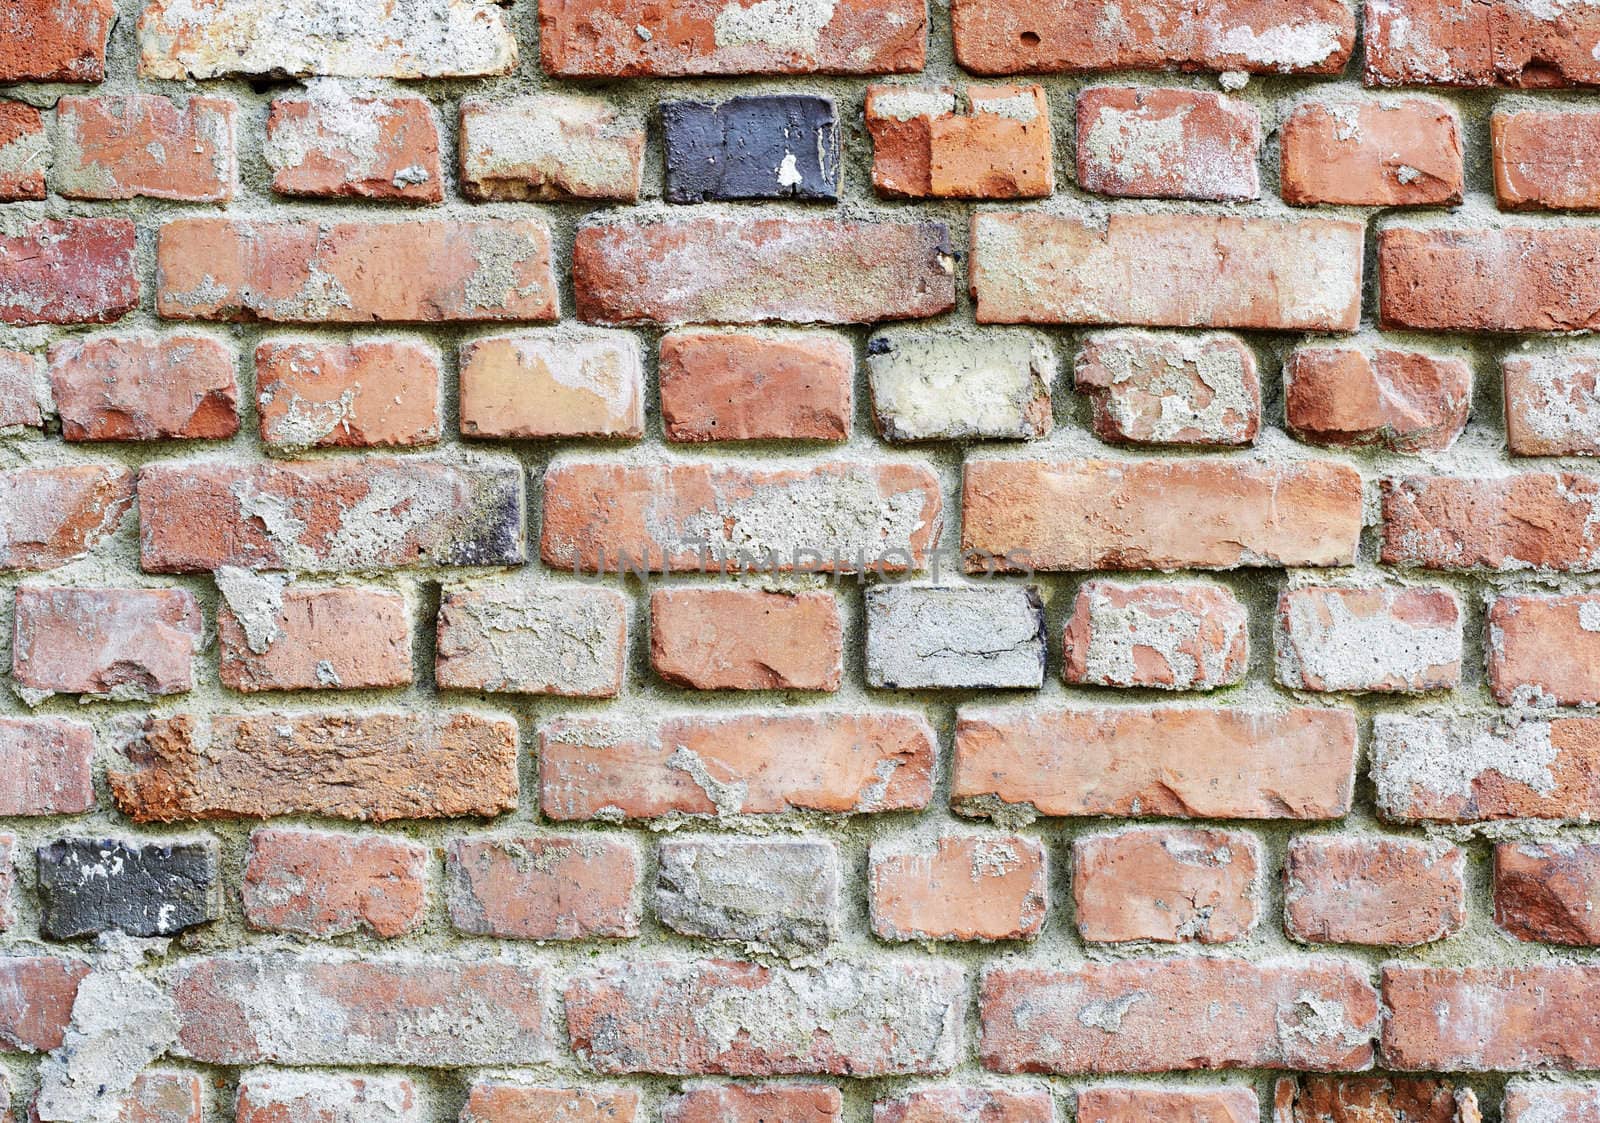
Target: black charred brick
751, 148
93, 885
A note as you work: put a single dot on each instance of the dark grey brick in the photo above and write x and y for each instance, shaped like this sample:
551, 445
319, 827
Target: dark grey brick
93, 885
751, 148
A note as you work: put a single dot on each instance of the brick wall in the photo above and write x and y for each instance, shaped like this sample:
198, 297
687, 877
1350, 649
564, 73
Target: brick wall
799, 561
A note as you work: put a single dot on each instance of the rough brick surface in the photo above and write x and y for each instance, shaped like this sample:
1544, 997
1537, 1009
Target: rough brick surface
1544, 648
1170, 886
772, 147
744, 386
276, 638
1545, 161
495, 1102
737, 639
55, 42
999, 148
786, 1102
549, 147
91, 885
119, 148
1167, 144
1551, 403
1465, 43
963, 1105
542, 888
67, 271
1398, 153
316, 883
954, 636
371, 394
1381, 1099
1545, 893
779, 896
57, 515
49, 761
334, 146
1532, 520
1525, 1018
587, 382
1389, 640
114, 643
1111, 1104
23, 396
267, 1096
1515, 278
1526, 1101
24, 152
1170, 636
1406, 401
144, 387
1152, 389
987, 887
530, 640
942, 385
1388, 891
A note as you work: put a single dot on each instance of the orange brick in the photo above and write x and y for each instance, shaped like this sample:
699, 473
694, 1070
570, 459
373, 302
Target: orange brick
144, 387
276, 638
50, 764
1552, 403
1392, 892
23, 152
1545, 649
332, 146
379, 393
1167, 144
1407, 401
746, 639
1534, 520
966, 1105
1524, 1018
543, 887
316, 883
1546, 893
493, 1102
989, 887
144, 145
105, 642
1170, 886
1372, 1099
1478, 43
759, 1103
1546, 160
1179, 636
1158, 1105
1385, 639
1372, 153
68, 271
749, 386
56, 515
1001, 148
55, 42
564, 382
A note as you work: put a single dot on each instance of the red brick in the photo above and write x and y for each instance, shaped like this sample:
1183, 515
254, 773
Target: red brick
1547, 893
1544, 649
1393, 892
144, 387
1235, 764
603, 38
282, 1097
23, 152
56, 515
1167, 1015
418, 271
745, 386
312, 639
1546, 160
1180, 636
367, 767
1158, 388
1534, 520
165, 1097
316, 883
967, 1105
516, 638
1075, 36
678, 518
144, 145
569, 381
334, 146
543, 887
988, 887
68, 271
723, 268
1489, 279
1406, 401
36, 996
49, 766
1386, 639
1372, 1099
1170, 886
1372, 153
252, 1008
1479, 43
22, 390
492, 1102
1551, 403
328, 515
742, 764
1158, 514
1167, 144
1001, 148
378, 393
1531, 1102
746, 639
1162, 270
1511, 1019
900, 1017
1108, 1104
55, 42
118, 643
756, 1103
549, 146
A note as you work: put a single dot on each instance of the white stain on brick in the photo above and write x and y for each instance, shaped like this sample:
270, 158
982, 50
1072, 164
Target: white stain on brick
1444, 757
785, 25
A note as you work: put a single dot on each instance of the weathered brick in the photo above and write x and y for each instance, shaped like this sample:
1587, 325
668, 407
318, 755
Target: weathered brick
1489, 279
1552, 403
48, 767
1472, 43
755, 1103
144, 387
955, 636
1546, 893
987, 887
36, 997
1372, 1099
144, 145
1044, 36
723, 267
55, 42
334, 146
1181, 636
1513, 1019
56, 515
275, 638
629, 38
358, 39
1395, 892
110, 643
374, 393
953, 385
68, 271
368, 767
1110, 1104
1372, 153
779, 896
570, 381
1534, 520
23, 390
1545, 160
8, 893
967, 1105
329, 515
678, 518
1167, 144
93, 885
549, 146
297, 271
267, 1096
317, 883
1165, 1015
1158, 514
24, 151
1406, 401
604, 768
1387, 639
1160, 389
1161, 270
746, 639
272, 1007
999, 148
754, 386
1170, 886
543, 887
1466, 769
1544, 649
1234, 764
761, 147
164, 1097
885, 1018
517, 638
493, 1102
1529, 1102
